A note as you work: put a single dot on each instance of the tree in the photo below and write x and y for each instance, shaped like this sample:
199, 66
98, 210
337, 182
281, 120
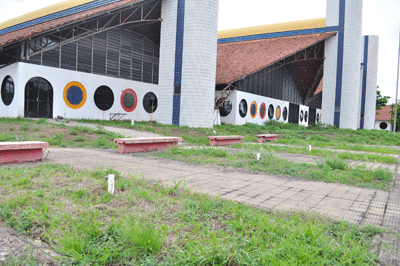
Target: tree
381, 100
393, 114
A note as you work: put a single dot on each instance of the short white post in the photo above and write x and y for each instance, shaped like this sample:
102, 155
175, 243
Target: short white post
258, 156
309, 148
133, 122
111, 182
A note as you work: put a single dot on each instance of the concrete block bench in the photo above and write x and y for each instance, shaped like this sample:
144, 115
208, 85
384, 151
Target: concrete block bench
22, 151
267, 137
133, 145
224, 140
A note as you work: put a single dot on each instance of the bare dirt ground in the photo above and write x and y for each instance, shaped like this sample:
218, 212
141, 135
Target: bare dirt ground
19, 246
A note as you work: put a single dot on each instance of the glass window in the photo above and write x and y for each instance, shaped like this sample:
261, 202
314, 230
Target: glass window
383, 125
38, 98
150, 102
243, 108
104, 98
284, 114
301, 116
7, 90
271, 111
224, 109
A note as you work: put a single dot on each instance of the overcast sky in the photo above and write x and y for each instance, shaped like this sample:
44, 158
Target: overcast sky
380, 17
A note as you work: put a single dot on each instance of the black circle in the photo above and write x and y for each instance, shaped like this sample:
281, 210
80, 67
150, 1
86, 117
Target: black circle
271, 111
318, 117
383, 125
104, 98
243, 108
150, 102
224, 109
284, 114
306, 116
7, 90
301, 116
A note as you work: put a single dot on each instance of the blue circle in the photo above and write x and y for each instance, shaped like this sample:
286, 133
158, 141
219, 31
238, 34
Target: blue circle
74, 95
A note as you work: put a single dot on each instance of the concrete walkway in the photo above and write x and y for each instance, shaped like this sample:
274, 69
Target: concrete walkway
357, 205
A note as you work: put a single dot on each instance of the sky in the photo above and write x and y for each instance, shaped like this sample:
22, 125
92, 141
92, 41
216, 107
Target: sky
380, 17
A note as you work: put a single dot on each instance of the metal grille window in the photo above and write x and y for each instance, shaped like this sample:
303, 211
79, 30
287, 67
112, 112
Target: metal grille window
7, 90
104, 98
38, 98
243, 108
118, 52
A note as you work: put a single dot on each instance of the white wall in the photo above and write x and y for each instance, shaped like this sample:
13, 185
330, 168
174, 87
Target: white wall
14, 109
378, 122
199, 63
59, 78
372, 83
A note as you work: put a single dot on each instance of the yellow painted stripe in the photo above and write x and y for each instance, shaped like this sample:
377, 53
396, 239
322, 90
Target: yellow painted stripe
43, 12
273, 28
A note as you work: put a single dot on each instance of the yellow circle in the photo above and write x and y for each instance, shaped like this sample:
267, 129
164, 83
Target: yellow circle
67, 101
253, 109
278, 112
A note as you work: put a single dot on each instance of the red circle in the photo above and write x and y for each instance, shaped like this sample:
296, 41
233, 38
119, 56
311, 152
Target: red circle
122, 100
265, 110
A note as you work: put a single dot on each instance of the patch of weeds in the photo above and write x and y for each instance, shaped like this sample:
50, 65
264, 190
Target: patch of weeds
333, 164
42, 121
141, 237
24, 127
80, 138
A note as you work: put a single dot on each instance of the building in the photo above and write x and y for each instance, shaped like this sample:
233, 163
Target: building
384, 118
300, 72
156, 60
140, 59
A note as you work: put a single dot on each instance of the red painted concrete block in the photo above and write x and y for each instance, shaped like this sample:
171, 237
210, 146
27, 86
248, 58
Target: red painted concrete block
224, 140
267, 137
134, 145
22, 151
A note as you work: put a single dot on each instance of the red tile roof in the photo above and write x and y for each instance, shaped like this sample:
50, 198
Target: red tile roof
30, 31
238, 59
384, 114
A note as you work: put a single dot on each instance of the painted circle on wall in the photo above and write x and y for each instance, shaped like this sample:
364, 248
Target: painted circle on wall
263, 110
306, 117
75, 95
278, 112
253, 109
243, 108
128, 100
284, 113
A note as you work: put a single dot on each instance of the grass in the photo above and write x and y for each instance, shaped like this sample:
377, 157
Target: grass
317, 135
56, 135
366, 157
324, 170
148, 224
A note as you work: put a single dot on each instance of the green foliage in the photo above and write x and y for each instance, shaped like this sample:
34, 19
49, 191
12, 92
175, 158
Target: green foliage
148, 224
381, 101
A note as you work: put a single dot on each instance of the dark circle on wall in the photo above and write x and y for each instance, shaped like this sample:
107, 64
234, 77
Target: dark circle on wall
74, 95
301, 116
104, 98
243, 108
7, 90
271, 111
306, 116
383, 125
128, 100
150, 102
278, 112
263, 110
253, 109
224, 109
284, 114
318, 118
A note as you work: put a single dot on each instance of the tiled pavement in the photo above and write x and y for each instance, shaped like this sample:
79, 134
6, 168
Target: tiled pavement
358, 205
